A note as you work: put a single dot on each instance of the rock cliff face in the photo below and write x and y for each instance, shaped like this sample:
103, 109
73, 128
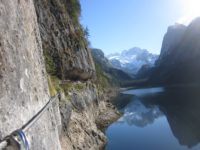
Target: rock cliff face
23, 83
63, 39
180, 63
80, 129
171, 39
35, 33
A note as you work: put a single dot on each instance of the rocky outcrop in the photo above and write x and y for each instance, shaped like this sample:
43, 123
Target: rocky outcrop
86, 110
23, 83
63, 39
68, 57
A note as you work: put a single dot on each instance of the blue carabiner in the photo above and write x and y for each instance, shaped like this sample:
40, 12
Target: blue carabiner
23, 139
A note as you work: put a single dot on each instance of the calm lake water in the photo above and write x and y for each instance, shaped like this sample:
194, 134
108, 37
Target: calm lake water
157, 119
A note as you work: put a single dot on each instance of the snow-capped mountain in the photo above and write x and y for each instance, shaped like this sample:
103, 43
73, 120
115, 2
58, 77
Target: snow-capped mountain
132, 60
103, 65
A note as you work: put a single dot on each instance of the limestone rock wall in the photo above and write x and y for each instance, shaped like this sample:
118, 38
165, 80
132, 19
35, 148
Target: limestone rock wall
87, 110
63, 40
23, 82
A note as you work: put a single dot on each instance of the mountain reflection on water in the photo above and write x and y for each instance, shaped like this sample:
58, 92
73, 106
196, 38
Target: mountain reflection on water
139, 115
180, 108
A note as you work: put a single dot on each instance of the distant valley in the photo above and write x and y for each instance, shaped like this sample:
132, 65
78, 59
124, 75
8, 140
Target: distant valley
178, 62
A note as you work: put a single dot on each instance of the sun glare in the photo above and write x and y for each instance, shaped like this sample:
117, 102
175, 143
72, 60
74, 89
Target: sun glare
191, 10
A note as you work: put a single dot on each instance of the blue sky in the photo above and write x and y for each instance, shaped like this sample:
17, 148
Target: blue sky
116, 25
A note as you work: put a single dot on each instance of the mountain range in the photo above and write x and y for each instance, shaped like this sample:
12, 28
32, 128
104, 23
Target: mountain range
132, 60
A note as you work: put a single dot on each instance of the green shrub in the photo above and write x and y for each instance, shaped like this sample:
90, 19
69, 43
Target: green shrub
67, 87
79, 86
52, 90
49, 63
74, 10
102, 80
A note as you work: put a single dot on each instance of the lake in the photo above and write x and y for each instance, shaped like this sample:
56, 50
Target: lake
157, 119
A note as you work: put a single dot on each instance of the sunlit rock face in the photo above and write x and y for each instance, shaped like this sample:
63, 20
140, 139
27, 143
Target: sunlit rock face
23, 84
79, 114
62, 41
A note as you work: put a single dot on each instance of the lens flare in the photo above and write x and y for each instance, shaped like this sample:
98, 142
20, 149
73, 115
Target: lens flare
191, 10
